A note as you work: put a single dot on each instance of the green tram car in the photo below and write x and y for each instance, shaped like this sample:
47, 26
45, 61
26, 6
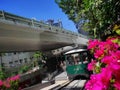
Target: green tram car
76, 63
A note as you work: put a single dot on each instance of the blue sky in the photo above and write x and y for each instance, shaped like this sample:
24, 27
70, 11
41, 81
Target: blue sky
39, 9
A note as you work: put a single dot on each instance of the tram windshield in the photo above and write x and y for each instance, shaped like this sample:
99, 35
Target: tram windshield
77, 56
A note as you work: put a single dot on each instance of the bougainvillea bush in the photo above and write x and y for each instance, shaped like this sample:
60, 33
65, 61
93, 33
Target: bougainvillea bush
11, 83
106, 63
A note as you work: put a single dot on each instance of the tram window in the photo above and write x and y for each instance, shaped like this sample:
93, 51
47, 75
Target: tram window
70, 60
77, 57
85, 53
85, 57
73, 59
76, 60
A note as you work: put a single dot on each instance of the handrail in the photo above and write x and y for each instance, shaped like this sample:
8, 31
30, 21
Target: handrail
34, 23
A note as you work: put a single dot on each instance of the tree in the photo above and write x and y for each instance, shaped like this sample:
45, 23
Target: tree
38, 56
93, 16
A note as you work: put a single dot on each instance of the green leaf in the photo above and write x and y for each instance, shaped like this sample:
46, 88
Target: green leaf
118, 31
115, 40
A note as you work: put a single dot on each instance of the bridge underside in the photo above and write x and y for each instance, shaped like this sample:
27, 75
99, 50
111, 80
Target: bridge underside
8, 45
23, 38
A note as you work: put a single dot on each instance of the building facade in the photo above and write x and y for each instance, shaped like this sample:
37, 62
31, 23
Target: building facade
16, 59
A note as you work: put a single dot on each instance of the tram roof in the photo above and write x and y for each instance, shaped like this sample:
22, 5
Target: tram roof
75, 51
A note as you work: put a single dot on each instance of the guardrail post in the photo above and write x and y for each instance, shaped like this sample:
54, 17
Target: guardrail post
3, 14
50, 27
32, 22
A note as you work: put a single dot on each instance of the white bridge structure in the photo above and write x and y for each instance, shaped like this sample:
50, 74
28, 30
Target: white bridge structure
22, 34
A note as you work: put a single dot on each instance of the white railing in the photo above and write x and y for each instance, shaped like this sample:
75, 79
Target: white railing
34, 23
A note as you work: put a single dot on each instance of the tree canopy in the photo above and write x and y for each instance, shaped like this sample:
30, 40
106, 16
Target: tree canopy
93, 16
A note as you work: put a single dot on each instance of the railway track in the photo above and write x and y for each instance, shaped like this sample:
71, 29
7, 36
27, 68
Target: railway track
68, 85
60, 85
75, 85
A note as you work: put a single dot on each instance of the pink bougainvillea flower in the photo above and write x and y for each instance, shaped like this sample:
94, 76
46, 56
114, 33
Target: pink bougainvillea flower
17, 77
107, 53
90, 85
117, 85
99, 54
100, 81
91, 65
114, 57
115, 68
93, 43
107, 59
108, 47
9, 83
113, 47
1, 83
95, 83
117, 55
106, 80
6, 83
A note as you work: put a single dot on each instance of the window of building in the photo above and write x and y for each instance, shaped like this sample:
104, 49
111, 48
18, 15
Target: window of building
16, 62
31, 58
3, 64
25, 60
21, 61
14, 52
11, 64
9, 54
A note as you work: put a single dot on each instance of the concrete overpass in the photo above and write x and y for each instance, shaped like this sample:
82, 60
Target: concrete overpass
23, 34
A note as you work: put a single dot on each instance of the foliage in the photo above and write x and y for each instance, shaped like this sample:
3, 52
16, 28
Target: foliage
106, 62
39, 59
2, 75
11, 83
91, 15
24, 69
37, 54
71, 8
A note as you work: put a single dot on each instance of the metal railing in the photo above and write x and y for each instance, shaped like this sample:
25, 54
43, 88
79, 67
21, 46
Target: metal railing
34, 23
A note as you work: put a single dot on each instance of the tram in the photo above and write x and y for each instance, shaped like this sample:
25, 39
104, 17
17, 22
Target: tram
76, 63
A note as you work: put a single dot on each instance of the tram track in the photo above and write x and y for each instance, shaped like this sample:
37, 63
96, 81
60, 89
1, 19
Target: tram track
71, 85
66, 85
61, 86
40, 86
